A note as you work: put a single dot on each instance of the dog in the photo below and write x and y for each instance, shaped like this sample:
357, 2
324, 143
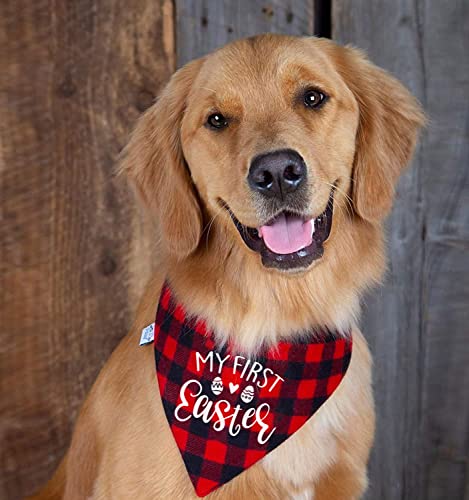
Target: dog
268, 167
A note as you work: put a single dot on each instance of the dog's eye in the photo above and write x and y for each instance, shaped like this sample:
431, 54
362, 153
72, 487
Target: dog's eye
217, 120
313, 98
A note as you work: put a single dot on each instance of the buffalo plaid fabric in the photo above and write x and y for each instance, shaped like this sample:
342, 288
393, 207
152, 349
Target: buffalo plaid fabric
227, 411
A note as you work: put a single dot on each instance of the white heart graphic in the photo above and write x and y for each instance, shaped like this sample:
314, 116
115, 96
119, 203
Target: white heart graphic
233, 387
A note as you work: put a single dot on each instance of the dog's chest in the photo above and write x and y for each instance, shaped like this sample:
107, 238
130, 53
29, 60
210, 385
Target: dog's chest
301, 459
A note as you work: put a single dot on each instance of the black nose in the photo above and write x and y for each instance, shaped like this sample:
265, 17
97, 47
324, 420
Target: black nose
277, 173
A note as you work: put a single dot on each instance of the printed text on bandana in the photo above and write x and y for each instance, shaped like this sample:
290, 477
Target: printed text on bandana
230, 374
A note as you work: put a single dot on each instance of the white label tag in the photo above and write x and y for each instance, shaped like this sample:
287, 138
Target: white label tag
148, 334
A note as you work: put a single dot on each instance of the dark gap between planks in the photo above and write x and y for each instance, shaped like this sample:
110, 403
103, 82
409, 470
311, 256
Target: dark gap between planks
322, 18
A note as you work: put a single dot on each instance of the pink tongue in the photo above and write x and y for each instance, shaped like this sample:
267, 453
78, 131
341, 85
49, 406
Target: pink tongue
287, 234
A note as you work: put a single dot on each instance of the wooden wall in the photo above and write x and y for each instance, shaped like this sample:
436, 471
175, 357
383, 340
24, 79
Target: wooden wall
74, 255
418, 323
74, 76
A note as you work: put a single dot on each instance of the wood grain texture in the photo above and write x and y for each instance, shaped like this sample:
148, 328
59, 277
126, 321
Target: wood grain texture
418, 324
74, 254
445, 185
205, 25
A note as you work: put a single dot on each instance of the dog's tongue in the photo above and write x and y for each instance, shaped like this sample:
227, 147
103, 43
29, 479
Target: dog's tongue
287, 234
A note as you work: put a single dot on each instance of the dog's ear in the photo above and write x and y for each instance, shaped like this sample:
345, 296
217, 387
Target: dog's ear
389, 122
154, 162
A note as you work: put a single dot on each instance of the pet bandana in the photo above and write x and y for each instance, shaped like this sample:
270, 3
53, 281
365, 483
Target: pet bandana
227, 411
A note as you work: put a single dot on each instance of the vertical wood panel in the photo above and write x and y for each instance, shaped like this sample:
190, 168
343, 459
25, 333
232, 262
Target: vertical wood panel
445, 183
392, 322
205, 25
418, 324
74, 256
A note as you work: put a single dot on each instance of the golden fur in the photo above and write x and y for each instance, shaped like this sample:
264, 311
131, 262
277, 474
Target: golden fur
360, 141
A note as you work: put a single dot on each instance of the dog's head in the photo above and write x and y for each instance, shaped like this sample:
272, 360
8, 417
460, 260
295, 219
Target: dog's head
283, 143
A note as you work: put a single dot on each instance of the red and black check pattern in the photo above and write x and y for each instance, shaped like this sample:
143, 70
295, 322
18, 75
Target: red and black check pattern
311, 371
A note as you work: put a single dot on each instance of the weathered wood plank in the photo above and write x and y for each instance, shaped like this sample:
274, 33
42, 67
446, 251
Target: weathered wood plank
206, 25
74, 255
445, 188
418, 324
392, 322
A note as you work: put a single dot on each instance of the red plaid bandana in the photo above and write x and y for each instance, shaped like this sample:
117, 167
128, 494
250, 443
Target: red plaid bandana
227, 411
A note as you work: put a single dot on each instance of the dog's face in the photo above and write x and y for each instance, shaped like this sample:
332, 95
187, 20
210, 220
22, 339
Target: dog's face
283, 142
270, 140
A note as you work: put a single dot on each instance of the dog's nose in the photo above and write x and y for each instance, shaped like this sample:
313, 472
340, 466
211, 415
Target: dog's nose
277, 173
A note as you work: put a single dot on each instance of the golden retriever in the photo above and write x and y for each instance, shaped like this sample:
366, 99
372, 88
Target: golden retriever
246, 152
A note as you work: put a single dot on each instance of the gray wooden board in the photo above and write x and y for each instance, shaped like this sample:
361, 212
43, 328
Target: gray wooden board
205, 25
445, 185
418, 324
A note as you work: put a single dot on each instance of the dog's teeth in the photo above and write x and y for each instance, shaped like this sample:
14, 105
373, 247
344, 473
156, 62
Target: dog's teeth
312, 226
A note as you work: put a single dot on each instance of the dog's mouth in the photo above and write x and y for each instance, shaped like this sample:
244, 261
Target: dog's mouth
288, 241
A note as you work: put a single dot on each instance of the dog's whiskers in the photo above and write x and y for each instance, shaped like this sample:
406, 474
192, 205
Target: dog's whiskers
209, 225
206, 88
348, 199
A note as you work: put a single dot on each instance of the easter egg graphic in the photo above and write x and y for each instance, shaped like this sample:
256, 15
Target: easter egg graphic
248, 394
217, 386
